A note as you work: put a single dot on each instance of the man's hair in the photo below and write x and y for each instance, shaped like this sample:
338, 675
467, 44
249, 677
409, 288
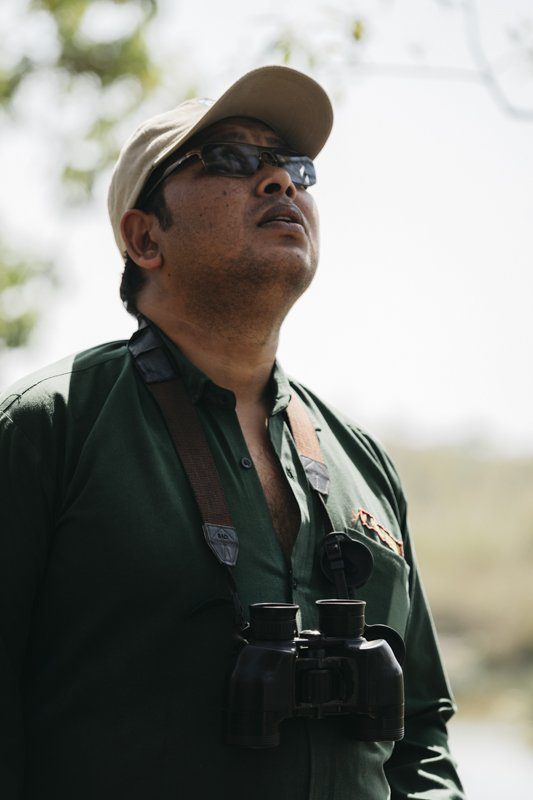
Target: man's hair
134, 277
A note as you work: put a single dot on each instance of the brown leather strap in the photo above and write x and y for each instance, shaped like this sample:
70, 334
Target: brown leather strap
308, 446
314, 464
188, 437
191, 445
163, 380
303, 430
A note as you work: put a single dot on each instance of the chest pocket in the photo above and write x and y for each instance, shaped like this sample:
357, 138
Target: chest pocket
387, 590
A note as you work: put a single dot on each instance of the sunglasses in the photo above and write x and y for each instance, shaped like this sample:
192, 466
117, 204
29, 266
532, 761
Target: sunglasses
239, 160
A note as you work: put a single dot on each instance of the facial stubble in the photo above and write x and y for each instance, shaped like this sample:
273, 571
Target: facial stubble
249, 297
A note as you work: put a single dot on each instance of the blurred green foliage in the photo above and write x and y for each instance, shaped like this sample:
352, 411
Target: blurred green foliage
293, 46
18, 281
105, 62
75, 57
106, 59
471, 515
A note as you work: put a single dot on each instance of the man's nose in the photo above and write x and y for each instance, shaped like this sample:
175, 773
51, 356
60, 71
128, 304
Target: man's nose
274, 180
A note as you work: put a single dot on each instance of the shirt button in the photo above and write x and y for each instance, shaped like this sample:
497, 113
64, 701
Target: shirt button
246, 463
289, 472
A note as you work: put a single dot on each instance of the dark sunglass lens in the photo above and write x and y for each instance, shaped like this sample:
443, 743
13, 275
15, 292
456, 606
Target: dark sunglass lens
300, 168
233, 158
230, 159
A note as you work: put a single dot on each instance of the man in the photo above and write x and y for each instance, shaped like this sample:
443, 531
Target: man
118, 630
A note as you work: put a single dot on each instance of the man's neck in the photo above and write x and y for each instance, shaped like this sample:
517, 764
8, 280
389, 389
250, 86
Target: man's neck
241, 363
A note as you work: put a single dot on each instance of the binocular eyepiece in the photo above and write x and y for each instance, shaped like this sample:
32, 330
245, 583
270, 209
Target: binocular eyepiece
277, 621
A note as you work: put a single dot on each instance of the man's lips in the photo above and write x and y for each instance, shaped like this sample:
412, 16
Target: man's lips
283, 215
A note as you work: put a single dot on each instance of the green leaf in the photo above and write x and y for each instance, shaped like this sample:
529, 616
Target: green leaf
10, 80
19, 274
358, 30
16, 332
284, 47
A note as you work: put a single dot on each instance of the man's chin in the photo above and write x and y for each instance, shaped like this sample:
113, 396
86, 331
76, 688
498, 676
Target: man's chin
288, 276
285, 265
257, 281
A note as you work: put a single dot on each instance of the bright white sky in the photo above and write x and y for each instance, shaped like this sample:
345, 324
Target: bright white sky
419, 324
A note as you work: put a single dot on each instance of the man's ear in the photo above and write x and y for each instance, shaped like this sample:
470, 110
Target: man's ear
139, 231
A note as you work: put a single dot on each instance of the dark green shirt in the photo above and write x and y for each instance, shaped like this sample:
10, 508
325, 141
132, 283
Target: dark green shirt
116, 621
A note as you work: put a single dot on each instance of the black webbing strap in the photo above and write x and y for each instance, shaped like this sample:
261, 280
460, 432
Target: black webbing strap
333, 552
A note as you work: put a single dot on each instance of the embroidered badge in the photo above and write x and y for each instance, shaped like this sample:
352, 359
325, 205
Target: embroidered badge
370, 522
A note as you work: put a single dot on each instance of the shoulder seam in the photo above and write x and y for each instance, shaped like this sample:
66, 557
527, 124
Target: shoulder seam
5, 405
49, 378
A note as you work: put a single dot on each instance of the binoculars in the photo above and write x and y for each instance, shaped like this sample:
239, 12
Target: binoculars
344, 669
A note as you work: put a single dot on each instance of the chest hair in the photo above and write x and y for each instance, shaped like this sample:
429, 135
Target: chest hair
280, 500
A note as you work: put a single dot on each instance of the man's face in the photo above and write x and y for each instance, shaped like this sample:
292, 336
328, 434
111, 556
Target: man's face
224, 244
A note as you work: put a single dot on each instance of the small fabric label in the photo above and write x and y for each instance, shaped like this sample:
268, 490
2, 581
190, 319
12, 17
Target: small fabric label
224, 543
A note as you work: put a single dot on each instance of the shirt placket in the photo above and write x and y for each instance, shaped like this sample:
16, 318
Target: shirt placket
301, 584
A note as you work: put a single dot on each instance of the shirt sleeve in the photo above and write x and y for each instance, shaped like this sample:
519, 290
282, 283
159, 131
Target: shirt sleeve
24, 513
421, 766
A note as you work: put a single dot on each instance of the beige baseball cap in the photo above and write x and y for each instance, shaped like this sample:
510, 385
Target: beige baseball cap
289, 102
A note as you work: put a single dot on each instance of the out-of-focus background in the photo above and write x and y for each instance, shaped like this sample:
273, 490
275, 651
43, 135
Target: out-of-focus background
424, 295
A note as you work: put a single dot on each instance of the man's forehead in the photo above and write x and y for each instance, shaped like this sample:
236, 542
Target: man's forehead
239, 129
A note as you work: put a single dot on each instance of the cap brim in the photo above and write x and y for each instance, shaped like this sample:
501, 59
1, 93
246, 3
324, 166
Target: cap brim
289, 102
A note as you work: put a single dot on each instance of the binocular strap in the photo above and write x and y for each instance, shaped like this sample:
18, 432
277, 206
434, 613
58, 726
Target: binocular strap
165, 383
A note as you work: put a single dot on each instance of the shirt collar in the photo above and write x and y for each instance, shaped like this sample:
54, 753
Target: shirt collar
201, 387
280, 388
